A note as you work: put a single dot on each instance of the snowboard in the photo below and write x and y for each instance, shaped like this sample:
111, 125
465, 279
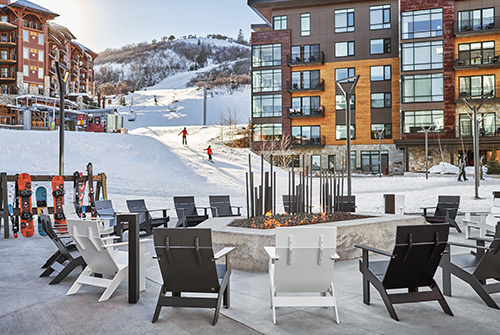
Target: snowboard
41, 205
24, 185
15, 226
79, 193
90, 176
58, 194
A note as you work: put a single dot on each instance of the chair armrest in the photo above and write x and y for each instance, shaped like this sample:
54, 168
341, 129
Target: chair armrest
216, 211
236, 206
425, 209
375, 250
271, 251
468, 246
115, 245
223, 252
336, 256
470, 223
205, 209
481, 239
110, 238
145, 240
158, 210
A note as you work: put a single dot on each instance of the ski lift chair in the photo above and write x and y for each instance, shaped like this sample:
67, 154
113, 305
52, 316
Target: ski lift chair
445, 212
476, 268
187, 264
302, 263
187, 212
411, 266
65, 259
103, 259
221, 206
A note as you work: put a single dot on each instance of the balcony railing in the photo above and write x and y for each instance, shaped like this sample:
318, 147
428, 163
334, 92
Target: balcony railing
482, 95
33, 25
311, 112
7, 39
313, 59
8, 59
52, 70
472, 63
8, 90
318, 141
310, 87
53, 54
476, 26
9, 75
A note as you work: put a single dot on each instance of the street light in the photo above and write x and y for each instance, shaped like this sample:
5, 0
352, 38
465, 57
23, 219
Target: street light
475, 140
380, 134
347, 96
426, 131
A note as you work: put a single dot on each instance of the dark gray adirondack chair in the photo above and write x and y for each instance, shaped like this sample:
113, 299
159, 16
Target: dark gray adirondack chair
412, 265
65, 259
105, 211
187, 264
147, 222
290, 204
187, 212
345, 203
221, 206
475, 268
446, 211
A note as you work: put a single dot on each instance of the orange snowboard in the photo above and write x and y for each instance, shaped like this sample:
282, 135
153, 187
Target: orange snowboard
58, 193
24, 184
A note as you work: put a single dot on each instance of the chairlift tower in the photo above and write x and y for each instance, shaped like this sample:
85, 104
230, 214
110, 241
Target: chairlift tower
205, 81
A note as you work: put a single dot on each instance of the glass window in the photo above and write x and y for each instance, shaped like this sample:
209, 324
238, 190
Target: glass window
40, 38
316, 162
370, 161
40, 73
267, 132
279, 23
266, 80
344, 49
26, 36
380, 73
476, 53
487, 126
422, 23
306, 106
477, 86
380, 17
26, 53
267, 105
40, 56
306, 135
344, 20
413, 121
343, 73
340, 132
340, 102
423, 88
422, 56
26, 70
380, 46
306, 53
266, 55
305, 24
381, 100
378, 127
3, 18
477, 19
306, 80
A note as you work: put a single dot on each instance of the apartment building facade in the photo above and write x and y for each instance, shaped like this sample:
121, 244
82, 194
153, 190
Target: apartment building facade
416, 60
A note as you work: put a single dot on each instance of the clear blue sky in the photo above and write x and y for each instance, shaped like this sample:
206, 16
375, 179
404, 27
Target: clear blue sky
102, 24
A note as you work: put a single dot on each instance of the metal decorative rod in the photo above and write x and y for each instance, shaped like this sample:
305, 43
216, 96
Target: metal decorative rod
61, 118
426, 131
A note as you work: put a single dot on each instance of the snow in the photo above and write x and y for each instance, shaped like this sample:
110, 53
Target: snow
444, 168
151, 163
214, 42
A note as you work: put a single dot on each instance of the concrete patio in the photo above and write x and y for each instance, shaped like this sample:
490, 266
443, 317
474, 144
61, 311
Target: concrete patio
28, 305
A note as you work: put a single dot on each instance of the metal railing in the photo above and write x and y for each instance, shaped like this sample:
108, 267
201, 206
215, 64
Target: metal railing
306, 112
476, 26
300, 87
467, 61
7, 39
317, 141
315, 58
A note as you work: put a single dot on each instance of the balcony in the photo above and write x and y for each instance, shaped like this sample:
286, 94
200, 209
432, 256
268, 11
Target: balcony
313, 86
476, 63
8, 60
74, 61
53, 55
306, 112
475, 27
33, 25
313, 59
318, 141
52, 71
83, 68
9, 90
7, 41
7, 76
483, 94
53, 87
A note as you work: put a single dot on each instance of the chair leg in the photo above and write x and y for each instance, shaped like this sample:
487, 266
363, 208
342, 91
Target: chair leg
76, 285
446, 277
387, 301
273, 306
122, 274
47, 272
479, 288
441, 300
66, 271
51, 259
227, 296
366, 291
158, 305
332, 290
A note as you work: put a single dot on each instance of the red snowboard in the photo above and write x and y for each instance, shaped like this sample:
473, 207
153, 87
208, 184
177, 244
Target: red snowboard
24, 184
58, 193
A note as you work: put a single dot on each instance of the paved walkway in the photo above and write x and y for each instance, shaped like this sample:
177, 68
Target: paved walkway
28, 305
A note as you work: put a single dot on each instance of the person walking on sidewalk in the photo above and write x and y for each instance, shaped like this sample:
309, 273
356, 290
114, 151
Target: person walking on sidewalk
209, 153
184, 133
461, 167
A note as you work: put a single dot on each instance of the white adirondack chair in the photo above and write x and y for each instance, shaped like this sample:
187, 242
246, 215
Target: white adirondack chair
485, 222
301, 268
102, 258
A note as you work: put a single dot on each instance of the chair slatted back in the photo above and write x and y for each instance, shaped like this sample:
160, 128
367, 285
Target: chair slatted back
70, 211
87, 237
187, 203
106, 211
139, 206
416, 255
186, 259
447, 202
49, 229
489, 266
222, 203
495, 210
305, 261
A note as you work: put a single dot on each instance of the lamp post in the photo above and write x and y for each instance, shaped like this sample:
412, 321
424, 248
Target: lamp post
426, 131
62, 81
205, 80
347, 95
379, 134
475, 140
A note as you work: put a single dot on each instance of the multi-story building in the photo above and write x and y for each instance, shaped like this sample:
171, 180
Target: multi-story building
415, 59
29, 46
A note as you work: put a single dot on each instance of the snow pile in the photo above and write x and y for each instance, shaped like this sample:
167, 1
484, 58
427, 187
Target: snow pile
444, 168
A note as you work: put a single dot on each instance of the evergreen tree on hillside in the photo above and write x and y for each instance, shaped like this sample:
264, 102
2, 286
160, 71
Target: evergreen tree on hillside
202, 58
241, 37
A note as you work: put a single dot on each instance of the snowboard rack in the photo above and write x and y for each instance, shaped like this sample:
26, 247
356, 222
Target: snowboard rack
5, 179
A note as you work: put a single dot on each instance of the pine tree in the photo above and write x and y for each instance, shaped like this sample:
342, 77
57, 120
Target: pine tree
202, 58
493, 164
241, 37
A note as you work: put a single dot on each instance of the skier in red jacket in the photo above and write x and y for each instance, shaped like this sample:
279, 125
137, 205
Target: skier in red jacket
209, 152
184, 133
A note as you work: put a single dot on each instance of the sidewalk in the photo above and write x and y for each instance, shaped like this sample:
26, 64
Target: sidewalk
28, 305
